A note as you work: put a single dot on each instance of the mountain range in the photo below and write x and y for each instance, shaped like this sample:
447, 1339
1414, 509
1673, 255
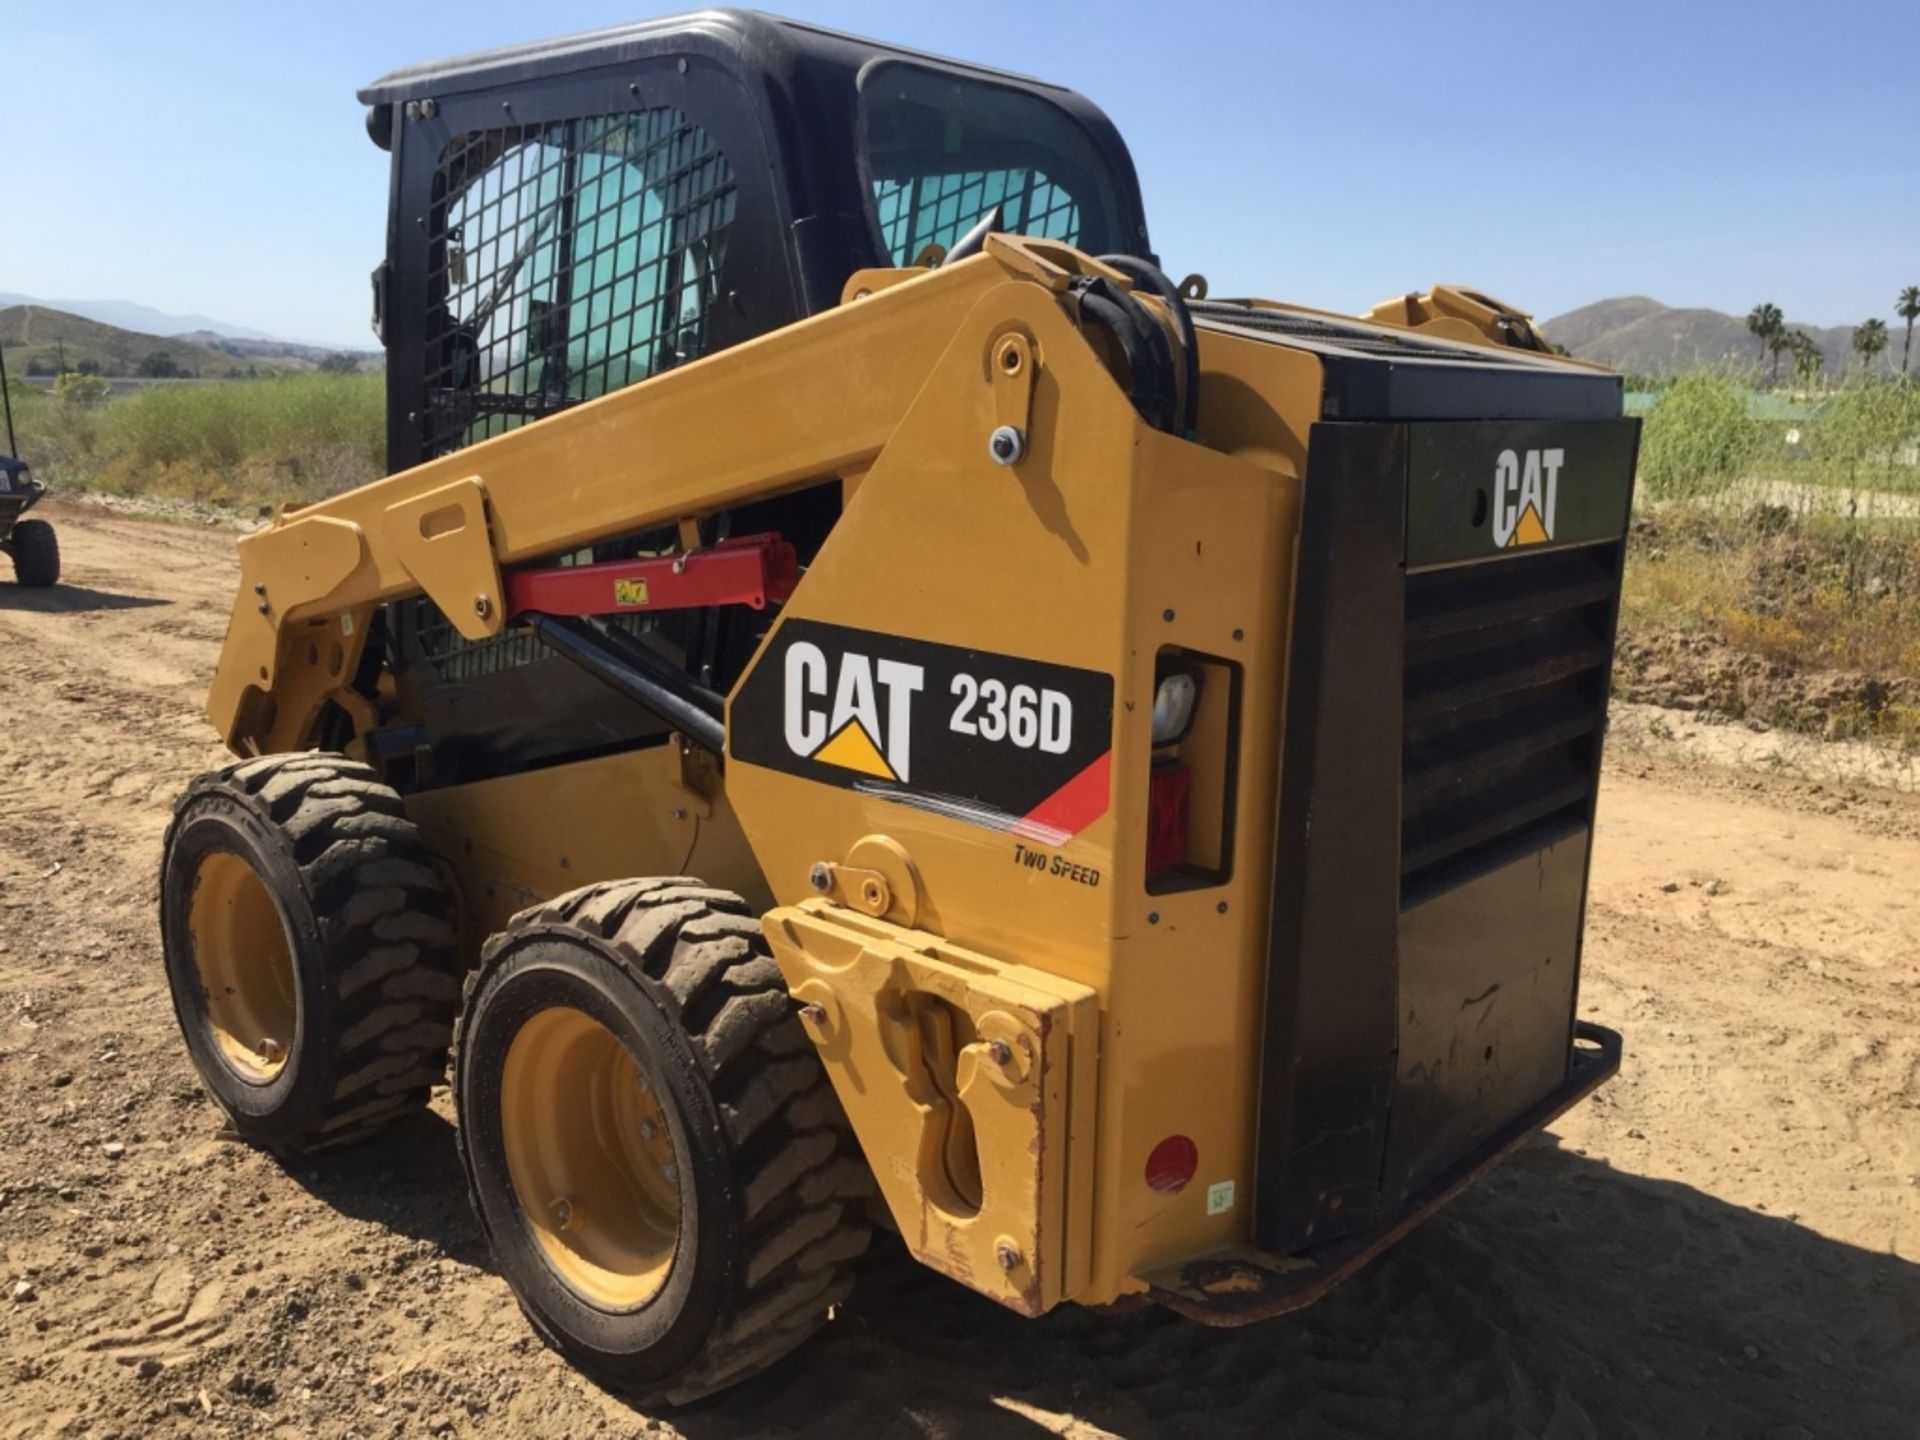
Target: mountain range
42, 340
142, 319
1642, 336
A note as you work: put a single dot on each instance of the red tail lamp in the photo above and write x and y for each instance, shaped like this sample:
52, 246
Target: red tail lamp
1167, 792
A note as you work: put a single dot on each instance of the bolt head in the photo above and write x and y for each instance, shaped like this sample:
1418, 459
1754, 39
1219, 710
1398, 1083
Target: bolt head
1006, 445
814, 1013
1008, 1256
820, 877
1001, 1052
482, 606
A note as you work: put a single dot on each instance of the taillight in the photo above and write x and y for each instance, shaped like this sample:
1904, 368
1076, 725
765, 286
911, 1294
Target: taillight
1167, 792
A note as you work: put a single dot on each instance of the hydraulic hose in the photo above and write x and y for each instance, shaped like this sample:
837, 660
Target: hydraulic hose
1142, 340
1155, 279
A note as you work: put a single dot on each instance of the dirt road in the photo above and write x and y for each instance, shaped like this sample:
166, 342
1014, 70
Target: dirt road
1722, 1243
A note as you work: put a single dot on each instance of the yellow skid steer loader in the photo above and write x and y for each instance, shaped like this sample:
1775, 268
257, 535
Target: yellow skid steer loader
863, 702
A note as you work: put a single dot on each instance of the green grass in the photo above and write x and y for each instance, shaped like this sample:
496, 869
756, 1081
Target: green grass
294, 438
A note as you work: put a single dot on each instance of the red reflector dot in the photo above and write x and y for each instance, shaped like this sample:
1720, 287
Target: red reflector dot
1172, 1164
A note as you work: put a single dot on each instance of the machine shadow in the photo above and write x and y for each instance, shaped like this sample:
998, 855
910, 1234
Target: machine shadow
408, 1183
1558, 1296
71, 600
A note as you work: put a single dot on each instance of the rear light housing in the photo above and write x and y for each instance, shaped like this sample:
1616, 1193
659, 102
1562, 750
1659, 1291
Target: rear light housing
1190, 789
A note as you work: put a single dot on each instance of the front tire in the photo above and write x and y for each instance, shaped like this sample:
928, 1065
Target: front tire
660, 1166
36, 554
310, 949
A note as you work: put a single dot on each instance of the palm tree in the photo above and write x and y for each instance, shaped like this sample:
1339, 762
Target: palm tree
1777, 343
1909, 311
1764, 322
1869, 338
1807, 357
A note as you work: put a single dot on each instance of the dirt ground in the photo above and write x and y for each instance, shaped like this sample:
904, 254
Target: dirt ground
1723, 1242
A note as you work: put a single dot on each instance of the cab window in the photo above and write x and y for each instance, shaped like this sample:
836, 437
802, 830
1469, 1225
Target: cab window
941, 150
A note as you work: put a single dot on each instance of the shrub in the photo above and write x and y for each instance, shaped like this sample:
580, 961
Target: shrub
74, 388
1699, 438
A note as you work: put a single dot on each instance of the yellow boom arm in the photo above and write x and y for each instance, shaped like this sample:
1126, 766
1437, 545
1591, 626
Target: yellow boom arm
825, 394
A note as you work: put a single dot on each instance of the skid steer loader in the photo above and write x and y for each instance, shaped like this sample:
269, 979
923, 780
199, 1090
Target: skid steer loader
864, 703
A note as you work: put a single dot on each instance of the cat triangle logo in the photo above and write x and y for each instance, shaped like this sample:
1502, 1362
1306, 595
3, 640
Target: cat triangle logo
1530, 531
1526, 491
853, 749
834, 707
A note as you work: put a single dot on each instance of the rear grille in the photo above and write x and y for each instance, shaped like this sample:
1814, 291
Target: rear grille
1505, 691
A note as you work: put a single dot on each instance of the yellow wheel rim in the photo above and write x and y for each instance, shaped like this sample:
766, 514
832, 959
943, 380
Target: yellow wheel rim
245, 964
590, 1152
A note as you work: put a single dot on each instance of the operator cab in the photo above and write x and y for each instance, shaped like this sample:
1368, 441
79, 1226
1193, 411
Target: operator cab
573, 216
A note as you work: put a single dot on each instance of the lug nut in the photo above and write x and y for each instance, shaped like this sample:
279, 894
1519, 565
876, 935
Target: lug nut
563, 1213
648, 1129
272, 1051
1006, 445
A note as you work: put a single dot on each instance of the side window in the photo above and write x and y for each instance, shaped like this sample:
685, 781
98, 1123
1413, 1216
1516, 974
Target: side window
940, 150
567, 260
937, 209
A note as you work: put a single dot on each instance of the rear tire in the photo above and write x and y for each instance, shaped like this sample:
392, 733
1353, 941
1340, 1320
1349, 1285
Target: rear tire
36, 554
589, 1022
310, 949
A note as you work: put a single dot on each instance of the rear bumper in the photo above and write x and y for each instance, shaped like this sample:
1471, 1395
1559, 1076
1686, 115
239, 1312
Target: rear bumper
1242, 1285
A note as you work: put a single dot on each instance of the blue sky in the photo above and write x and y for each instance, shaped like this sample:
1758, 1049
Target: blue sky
210, 157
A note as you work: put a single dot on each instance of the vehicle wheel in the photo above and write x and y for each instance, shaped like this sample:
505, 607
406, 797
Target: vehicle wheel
309, 945
36, 554
658, 1161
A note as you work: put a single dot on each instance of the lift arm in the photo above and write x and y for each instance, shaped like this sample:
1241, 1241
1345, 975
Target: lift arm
812, 400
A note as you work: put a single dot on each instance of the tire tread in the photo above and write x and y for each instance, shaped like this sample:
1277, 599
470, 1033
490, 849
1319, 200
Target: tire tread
386, 929
803, 1189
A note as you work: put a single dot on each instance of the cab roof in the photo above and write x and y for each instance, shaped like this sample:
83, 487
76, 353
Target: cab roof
752, 41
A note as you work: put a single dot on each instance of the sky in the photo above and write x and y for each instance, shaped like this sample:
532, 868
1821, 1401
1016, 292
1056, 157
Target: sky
210, 157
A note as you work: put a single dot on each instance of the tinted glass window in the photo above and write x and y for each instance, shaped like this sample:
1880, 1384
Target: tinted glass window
941, 151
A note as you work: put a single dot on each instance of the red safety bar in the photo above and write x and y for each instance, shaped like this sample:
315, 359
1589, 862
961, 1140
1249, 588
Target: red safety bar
750, 570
